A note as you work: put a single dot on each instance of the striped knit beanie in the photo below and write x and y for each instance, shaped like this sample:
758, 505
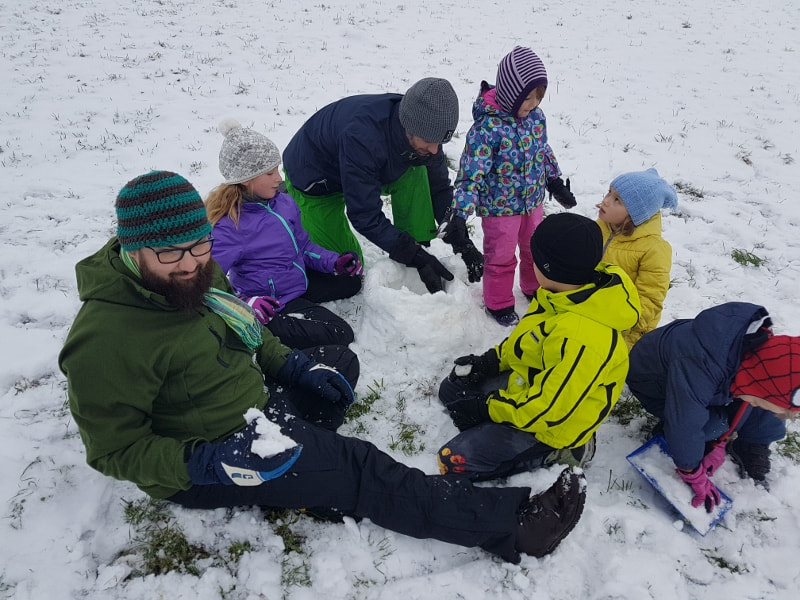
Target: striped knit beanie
519, 73
159, 209
245, 154
429, 110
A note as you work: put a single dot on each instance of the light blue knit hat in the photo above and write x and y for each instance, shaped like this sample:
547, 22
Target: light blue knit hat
644, 193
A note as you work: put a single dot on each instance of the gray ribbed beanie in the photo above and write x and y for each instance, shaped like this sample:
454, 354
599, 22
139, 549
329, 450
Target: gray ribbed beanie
245, 153
429, 110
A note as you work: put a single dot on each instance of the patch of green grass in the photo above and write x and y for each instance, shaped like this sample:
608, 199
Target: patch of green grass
238, 549
407, 440
688, 189
363, 405
617, 484
790, 446
628, 409
746, 258
282, 521
160, 541
722, 562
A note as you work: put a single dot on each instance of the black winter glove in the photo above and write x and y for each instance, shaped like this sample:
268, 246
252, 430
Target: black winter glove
316, 378
411, 254
469, 409
561, 192
474, 369
456, 235
431, 271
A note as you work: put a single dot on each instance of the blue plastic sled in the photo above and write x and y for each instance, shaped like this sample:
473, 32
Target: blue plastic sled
653, 461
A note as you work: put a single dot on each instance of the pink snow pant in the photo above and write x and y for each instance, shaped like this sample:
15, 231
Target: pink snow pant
501, 237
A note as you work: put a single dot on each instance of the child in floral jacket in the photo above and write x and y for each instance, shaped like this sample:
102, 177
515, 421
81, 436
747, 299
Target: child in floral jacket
505, 169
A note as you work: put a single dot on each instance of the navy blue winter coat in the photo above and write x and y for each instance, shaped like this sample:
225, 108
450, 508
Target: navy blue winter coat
355, 146
682, 372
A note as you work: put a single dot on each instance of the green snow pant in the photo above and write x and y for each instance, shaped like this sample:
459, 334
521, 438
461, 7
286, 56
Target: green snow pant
325, 220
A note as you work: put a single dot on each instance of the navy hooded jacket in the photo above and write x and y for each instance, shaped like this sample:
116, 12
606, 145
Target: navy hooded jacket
688, 367
355, 146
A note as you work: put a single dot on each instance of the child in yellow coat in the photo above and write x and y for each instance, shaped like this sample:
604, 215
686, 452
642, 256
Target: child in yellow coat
630, 219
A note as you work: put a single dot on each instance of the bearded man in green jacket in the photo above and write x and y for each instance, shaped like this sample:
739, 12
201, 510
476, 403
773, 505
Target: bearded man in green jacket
169, 383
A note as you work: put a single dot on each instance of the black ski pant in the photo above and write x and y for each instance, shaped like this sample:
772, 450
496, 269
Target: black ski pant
352, 477
302, 323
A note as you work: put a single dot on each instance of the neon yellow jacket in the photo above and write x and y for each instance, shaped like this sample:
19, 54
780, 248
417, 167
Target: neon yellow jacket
567, 360
647, 259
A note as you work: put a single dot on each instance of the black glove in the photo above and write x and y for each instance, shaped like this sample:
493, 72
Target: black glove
475, 369
431, 271
316, 378
456, 235
561, 192
233, 462
468, 409
411, 254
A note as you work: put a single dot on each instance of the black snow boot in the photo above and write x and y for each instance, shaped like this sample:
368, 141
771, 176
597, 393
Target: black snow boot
752, 459
545, 519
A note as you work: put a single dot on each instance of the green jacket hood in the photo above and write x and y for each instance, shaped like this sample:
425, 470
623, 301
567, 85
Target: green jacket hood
104, 276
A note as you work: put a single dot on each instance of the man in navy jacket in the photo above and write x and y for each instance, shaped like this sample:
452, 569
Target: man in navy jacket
354, 151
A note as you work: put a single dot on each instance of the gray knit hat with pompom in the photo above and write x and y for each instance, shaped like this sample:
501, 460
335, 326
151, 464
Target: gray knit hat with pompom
245, 154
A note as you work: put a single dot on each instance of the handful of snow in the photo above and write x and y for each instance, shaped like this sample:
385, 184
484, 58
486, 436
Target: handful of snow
270, 440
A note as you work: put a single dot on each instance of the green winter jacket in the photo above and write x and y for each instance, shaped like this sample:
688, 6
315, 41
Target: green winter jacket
567, 360
146, 382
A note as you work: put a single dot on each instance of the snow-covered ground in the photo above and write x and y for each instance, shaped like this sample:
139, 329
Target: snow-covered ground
95, 93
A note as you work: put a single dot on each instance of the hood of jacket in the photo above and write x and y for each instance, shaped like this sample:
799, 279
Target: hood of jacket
613, 288
103, 276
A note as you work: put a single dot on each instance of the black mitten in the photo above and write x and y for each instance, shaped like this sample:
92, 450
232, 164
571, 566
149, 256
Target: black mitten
431, 271
475, 369
561, 192
456, 235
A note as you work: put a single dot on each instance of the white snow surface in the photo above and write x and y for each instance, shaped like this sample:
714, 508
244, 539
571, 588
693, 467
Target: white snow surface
98, 92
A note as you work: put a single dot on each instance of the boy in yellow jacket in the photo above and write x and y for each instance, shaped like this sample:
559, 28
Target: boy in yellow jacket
540, 395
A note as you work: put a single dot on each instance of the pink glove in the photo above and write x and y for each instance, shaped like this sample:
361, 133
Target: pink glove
704, 490
348, 264
714, 459
265, 307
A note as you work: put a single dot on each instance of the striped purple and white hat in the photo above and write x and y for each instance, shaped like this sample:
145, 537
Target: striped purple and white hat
519, 73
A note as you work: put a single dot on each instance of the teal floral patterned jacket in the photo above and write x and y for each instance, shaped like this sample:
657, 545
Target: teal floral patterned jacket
506, 162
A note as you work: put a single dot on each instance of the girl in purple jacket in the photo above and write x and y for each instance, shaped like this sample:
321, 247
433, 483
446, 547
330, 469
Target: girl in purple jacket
267, 255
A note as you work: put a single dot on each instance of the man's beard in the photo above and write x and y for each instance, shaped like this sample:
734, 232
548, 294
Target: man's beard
182, 294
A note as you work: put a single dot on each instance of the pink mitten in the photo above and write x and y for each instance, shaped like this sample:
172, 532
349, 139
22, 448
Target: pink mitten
348, 264
265, 307
714, 459
704, 491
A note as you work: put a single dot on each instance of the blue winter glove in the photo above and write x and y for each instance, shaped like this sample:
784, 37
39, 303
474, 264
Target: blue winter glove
233, 463
316, 378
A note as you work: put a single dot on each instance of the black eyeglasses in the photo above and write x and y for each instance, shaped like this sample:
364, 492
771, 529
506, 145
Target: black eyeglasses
170, 256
